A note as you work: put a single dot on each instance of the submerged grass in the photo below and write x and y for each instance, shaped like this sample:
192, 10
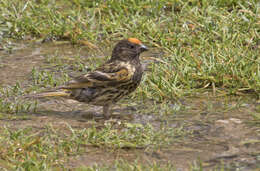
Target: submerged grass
122, 165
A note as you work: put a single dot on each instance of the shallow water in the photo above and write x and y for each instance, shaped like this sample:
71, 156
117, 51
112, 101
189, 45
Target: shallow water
222, 130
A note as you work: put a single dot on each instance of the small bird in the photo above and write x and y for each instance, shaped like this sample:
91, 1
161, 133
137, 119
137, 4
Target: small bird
110, 82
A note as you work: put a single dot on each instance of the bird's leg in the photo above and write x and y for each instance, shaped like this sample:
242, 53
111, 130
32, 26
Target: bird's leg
106, 111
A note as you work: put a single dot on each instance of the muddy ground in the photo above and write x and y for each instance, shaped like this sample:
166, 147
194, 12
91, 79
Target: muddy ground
223, 131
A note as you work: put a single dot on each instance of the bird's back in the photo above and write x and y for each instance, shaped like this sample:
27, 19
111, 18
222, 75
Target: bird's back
109, 86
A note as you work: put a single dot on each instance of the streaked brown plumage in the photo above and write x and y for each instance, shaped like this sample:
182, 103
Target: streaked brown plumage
106, 85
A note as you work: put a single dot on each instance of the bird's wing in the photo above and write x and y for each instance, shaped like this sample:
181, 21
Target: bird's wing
109, 74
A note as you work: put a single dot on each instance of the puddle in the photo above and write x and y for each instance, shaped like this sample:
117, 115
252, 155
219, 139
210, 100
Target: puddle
220, 133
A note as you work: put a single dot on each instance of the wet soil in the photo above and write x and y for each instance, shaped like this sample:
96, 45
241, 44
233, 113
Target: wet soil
222, 129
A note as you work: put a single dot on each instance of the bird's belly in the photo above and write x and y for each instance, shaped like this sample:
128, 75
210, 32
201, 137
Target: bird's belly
103, 96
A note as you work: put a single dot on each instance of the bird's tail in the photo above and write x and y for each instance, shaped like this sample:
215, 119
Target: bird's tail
59, 93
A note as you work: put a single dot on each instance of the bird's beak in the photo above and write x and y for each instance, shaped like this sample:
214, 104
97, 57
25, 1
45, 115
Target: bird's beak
143, 48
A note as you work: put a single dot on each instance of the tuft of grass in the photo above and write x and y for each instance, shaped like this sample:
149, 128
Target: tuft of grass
47, 78
11, 102
132, 136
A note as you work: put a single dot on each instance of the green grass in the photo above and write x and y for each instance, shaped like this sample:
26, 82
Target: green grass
30, 149
205, 46
11, 102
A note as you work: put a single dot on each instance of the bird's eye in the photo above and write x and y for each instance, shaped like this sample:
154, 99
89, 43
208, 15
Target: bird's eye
132, 46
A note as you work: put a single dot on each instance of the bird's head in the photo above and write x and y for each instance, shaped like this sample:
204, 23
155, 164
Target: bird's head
128, 49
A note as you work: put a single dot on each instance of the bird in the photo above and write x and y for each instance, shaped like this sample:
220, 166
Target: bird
106, 85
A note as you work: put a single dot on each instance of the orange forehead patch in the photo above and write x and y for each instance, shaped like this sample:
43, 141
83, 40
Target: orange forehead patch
135, 41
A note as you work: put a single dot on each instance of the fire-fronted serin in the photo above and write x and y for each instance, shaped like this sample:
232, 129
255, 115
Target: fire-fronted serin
106, 85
